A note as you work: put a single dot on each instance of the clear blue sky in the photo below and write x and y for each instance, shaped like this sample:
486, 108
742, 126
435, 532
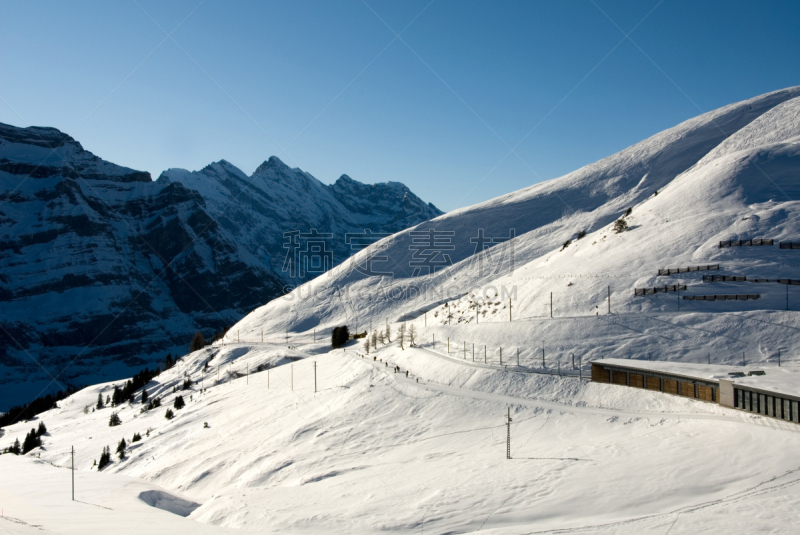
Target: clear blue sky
330, 84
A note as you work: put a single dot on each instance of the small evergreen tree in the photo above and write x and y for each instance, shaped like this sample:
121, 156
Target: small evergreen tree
114, 420
198, 342
581, 234
366, 345
105, 458
42, 429
31, 441
620, 225
144, 396
628, 212
375, 339
412, 335
169, 414
168, 362
121, 449
381, 338
100, 401
15, 448
339, 336
179, 403
136, 437
116, 397
187, 384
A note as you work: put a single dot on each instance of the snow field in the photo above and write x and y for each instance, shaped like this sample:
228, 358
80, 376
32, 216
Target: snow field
374, 451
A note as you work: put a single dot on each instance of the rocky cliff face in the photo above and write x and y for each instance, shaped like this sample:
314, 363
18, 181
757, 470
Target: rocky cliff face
103, 271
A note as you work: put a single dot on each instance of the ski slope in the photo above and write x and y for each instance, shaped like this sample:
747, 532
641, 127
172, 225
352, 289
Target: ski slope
375, 451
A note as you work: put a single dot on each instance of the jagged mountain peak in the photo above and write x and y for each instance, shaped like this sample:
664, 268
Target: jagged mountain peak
272, 164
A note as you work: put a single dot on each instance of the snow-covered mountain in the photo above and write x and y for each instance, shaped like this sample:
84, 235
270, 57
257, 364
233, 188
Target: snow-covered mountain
729, 174
298, 438
105, 271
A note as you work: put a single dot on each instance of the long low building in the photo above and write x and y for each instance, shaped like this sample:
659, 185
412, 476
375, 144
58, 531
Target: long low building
767, 390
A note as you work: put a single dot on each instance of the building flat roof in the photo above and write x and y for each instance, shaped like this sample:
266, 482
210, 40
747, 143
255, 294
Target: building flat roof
780, 380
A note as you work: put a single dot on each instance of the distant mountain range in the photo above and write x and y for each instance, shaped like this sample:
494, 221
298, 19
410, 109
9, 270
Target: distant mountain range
105, 270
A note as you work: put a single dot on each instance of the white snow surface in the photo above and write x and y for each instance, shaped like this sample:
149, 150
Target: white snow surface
375, 451
370, 450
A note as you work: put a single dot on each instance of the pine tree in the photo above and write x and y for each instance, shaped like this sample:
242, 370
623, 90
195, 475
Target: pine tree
375, 339
116, 397
620, 225
42, 429
31, 441
179, 403
169, 414
114, 420
144, 396
16, 449
198, 342
105, 458
187, 384
100, 401
121, 449
136, 437
382, 338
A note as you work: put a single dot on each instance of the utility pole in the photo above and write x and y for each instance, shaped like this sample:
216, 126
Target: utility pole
551, 304
580, 368
573, 360
73, 472
543, 365
501, 356
509, 310
315, 376
517, 356
508, 435
609, 299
